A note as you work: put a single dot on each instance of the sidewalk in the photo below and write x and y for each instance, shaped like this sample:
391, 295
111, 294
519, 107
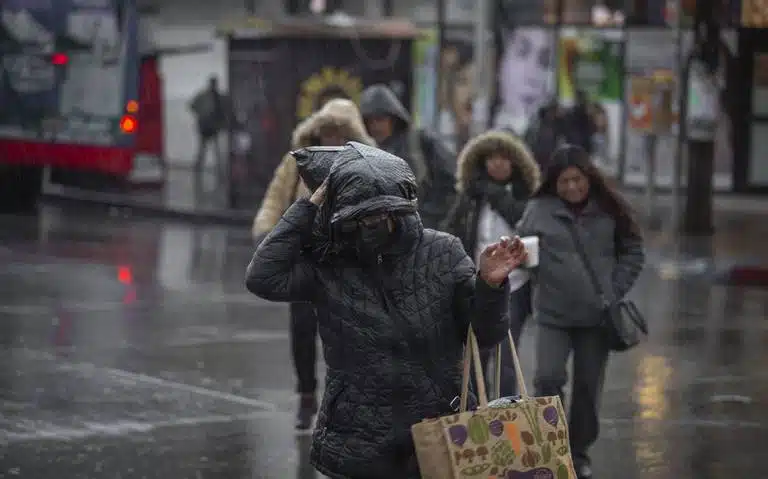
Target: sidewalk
181, 197
736, 254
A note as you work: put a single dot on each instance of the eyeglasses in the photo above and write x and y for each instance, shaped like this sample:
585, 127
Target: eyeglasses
351, 226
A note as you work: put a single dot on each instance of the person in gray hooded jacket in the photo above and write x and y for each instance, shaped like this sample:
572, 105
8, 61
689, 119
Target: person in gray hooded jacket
431, 160
576, 199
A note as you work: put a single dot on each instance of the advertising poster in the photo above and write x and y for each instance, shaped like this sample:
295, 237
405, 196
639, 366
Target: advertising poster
650, 51
590, 61
525, 76
459, 105
276, 82
80, 99
425, 61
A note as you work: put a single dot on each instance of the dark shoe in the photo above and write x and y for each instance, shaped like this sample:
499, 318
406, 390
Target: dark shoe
306, 413
584, 472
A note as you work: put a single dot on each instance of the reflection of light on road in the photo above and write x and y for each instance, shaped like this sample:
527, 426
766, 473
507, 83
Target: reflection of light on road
654, 374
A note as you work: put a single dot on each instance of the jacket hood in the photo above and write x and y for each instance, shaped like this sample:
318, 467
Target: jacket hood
362, 180
379, 99
479, 148
366, 180
337, 113
314, 163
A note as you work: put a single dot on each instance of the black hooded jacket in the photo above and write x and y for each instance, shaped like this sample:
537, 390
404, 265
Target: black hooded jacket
392, 328
431, 160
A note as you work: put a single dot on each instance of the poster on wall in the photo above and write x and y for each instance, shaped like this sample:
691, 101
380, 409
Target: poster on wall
459, 105
425, 60
525, 76
67, 69
275, 83
590, 61
649, 51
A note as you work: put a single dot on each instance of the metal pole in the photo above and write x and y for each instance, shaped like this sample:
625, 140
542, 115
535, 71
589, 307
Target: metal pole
481, 54
438, 63
650, 186
682, 90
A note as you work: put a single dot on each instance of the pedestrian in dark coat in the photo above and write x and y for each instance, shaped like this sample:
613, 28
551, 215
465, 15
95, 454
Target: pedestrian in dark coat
495, 175
431, 160
396, 302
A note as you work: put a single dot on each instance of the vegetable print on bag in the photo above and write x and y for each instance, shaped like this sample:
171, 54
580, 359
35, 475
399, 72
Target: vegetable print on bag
504, 439
529, 436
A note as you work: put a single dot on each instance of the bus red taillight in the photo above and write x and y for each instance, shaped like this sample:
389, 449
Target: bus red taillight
128, 124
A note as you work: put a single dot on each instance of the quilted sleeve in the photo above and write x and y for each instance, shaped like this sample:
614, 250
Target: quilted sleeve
477, 303
278, 271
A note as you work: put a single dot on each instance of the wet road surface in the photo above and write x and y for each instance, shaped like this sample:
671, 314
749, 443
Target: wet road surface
130, 350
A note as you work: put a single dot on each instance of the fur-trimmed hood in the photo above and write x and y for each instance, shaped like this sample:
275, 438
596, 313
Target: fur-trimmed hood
480, 147
339, 113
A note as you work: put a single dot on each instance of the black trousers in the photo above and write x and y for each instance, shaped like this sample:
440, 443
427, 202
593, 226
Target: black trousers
590, 355
508, 385
304, 346
520, 309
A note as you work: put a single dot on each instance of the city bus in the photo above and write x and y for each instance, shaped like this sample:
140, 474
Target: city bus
70, 96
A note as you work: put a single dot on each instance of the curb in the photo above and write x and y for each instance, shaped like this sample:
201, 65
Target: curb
64, 195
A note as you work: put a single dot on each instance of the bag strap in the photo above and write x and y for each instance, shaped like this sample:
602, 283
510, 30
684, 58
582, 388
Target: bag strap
472, 355
518, 369
582, 252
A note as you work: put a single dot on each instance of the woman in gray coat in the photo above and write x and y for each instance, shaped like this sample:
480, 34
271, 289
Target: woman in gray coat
576, 199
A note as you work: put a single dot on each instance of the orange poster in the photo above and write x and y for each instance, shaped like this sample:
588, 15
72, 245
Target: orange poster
640, 104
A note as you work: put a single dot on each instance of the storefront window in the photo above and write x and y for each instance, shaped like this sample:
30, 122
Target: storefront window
650, 51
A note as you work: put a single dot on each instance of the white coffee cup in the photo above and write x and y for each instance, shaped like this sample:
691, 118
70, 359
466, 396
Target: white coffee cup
531, 244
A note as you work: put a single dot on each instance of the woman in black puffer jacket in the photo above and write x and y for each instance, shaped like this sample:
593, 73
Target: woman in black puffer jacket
396, 302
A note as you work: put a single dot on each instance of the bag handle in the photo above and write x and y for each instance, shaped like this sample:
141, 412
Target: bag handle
472, 355
582, 252
518, 370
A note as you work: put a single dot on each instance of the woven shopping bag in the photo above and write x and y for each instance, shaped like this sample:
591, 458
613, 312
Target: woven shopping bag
527, 439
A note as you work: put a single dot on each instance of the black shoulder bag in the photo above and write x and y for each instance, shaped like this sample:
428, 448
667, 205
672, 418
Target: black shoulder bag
624, 325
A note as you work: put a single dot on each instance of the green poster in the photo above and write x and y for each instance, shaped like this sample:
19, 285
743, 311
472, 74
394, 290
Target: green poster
591, 62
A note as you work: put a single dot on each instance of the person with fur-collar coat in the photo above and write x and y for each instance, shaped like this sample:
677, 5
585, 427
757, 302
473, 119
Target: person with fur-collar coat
496, 174
336, 123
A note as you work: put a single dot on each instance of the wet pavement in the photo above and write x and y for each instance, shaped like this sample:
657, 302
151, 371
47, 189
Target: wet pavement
129, 349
